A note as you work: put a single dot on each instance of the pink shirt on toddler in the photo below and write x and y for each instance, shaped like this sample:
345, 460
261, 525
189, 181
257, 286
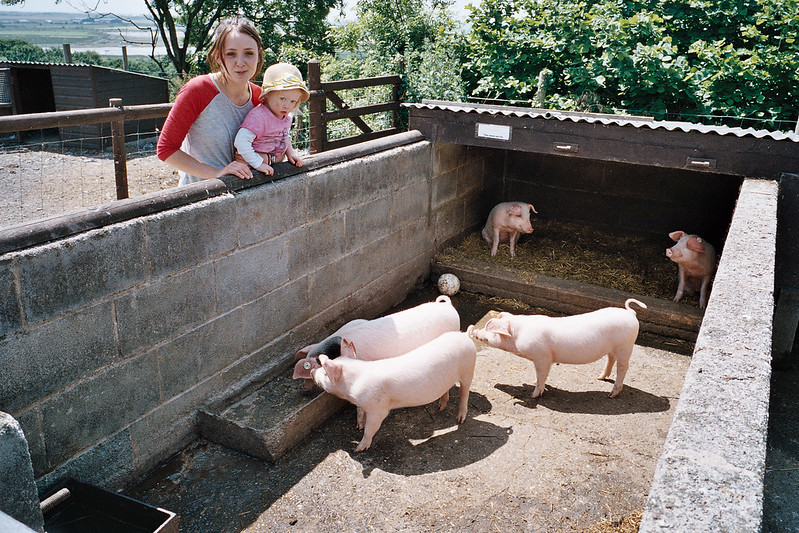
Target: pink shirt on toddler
268, 135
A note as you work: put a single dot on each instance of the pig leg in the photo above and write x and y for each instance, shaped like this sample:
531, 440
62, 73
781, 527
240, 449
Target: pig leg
514, 236
680, 285
360, 417
541, 373
608, 366
373, 421
495, 243
442, 402
463, 399
703, 290
622, 364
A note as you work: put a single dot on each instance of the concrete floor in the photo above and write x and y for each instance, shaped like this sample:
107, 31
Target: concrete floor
574, 460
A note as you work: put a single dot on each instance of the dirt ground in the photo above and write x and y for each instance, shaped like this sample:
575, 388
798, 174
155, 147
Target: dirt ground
37, 184
573, 460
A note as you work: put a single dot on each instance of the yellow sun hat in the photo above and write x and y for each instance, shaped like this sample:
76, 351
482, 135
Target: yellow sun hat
283, 77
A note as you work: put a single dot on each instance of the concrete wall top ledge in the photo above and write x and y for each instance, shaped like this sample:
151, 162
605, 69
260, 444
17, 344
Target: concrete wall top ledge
58, 227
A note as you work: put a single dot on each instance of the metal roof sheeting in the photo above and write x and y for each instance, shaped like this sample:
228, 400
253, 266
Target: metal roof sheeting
601, 118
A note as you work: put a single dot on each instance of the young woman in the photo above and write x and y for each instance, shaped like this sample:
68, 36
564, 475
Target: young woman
197, 137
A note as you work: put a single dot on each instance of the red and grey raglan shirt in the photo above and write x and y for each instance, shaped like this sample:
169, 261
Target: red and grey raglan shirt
203, 123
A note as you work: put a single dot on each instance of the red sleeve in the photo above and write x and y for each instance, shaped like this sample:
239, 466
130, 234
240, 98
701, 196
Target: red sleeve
191, 100
256, 93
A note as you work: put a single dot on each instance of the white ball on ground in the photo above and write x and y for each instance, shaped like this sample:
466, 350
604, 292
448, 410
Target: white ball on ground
449, 284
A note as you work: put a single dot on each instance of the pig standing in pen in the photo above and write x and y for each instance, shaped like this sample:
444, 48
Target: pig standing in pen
506, 222
416, 378
576, 339
384, 337
696, 259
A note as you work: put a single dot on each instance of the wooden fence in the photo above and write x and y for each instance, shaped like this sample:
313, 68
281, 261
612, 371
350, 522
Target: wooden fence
319, 117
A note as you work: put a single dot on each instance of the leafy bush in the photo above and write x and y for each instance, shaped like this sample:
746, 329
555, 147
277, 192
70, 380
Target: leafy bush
681, 59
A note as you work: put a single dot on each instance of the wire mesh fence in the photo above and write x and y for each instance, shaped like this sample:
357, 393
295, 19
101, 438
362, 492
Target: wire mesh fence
43, 175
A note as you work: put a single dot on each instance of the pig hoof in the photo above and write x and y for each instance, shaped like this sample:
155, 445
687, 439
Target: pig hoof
614, 393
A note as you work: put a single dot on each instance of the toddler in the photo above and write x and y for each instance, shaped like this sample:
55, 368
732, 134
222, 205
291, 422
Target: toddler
263, 138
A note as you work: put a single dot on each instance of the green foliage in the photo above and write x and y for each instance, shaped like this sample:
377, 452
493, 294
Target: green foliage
19, 50
299, 25
416, 39
666, 58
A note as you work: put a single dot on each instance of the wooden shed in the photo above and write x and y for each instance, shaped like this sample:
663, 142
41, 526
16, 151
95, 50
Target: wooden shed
45, 87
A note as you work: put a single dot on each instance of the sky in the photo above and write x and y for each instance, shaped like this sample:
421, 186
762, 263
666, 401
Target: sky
136, 7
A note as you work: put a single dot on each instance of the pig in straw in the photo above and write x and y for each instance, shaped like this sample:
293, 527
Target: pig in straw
383, 337
416, 378
505, 223
696, 259
576, 339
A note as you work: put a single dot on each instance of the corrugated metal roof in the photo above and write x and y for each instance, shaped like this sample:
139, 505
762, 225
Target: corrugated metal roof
605, 119
9, 64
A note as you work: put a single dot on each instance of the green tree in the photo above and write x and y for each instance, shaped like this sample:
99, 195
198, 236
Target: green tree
666, 58
417, 39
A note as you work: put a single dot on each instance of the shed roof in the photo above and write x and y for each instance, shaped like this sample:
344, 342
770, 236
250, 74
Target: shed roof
77, 66
602, 137
603, 118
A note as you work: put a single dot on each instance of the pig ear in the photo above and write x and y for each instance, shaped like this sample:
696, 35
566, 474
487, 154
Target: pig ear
696, 244
348, 349
515, 210
303, 352
331, 368
676, 235
498, 326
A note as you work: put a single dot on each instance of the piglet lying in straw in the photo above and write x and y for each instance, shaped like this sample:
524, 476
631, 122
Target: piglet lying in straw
416, 378
577, 339
384, 337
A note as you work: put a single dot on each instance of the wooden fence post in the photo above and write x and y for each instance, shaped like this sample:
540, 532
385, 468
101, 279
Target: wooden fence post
395, 97
118, 146
67, 53
316, 106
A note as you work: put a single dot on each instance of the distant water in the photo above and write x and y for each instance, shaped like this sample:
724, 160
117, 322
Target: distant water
117, 50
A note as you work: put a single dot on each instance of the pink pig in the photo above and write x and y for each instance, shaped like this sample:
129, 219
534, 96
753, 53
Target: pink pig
576, 339
696, 259
383, 337
415, 378
505, 223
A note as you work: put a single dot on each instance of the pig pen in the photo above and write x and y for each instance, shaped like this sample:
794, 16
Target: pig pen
415, 477
573, 460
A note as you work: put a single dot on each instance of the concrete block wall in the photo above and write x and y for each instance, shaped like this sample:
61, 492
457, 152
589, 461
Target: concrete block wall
112, 337
624, 197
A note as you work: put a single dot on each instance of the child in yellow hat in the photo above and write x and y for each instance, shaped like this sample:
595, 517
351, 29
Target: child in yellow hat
263, 138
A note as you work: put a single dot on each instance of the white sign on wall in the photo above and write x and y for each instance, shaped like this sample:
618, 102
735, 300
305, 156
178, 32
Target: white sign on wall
493, 131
